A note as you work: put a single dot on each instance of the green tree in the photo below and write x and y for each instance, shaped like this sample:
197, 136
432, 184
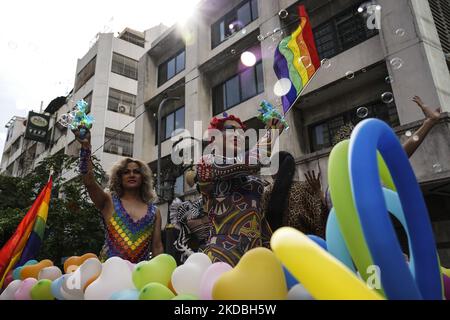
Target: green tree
74, 225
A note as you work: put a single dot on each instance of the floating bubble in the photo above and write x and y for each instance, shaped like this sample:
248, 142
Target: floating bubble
389, 79
231, 26
396, 63
260, 37
387, 97
400, 32
244, 31
378, 7
282, 87
349, 75
233, 51
283, 14
360, 9
416, 138
326, 63
248, 59
437, 168
408, 133
362, 112
363, 70
306, 61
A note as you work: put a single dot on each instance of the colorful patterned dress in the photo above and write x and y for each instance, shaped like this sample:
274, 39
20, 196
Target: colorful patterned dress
232, 199
126, 238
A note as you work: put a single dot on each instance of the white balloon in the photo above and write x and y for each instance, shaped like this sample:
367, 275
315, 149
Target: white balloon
115, 277
8, 293
186, 279
199, 259
298, 292
75, 283
50, 273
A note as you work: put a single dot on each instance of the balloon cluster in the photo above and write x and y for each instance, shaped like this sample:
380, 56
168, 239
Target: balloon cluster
268, 112
78, 118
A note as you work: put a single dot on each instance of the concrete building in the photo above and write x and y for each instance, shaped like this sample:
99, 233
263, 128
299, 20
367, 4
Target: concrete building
106, 77
405, 56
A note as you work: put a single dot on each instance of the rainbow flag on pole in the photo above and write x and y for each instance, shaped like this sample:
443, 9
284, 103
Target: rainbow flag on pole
296, 59
26, 240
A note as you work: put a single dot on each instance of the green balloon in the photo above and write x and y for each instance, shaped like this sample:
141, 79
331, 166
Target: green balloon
42, 290
346, 212
185, 297
155, 291
159, 270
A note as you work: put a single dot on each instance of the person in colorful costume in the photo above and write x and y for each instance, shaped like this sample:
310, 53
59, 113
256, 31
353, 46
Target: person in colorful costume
232, 193
132, 222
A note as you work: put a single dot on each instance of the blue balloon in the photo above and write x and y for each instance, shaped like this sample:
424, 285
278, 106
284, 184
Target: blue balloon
130, 294
16, 272
335, 241
321, 242
56, 288
290, 279
424, 280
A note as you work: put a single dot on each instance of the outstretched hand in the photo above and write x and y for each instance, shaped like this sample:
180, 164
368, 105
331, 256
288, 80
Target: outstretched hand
313, 181
430, 114
275, 123
85, 141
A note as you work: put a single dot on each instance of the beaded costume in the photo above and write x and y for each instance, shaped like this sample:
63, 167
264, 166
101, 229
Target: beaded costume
126, 238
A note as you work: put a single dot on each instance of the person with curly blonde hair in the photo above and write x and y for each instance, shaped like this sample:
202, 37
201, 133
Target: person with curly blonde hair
132, 222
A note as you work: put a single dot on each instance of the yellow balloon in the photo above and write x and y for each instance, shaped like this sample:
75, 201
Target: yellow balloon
259, 275
445, 271
323, 276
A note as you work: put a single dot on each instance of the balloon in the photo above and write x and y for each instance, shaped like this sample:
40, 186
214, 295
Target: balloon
42, 290
74, 262
32, 271
75, 284
210, 277
258, 276
398, 282
336, 243
321, 242
323, 276
446, 282
130, 294
155, 291
445, 271
290, 279
298, 292
186, 279
50, 273
24, 290
185, 297
56, 288
16, 272
115, 277
10, 291
159, 269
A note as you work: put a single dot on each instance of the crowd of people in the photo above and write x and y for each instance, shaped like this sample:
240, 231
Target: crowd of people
237, 209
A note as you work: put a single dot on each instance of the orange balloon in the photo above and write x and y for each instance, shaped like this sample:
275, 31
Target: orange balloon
87, 284
32, 271
77, 261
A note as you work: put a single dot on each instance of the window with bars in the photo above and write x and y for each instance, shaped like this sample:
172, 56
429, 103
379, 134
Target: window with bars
121, 102
124, 66
85, 74
239, 88
133, 38
170, 68
322, 135
441, 15
234, 21
120, 143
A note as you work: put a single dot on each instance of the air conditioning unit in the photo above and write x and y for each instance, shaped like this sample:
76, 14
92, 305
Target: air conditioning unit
124, 109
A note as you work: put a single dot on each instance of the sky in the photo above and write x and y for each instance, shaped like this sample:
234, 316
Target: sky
40, 42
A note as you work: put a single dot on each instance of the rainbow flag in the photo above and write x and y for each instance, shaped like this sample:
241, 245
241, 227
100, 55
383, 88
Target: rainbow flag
296, 59
26, 240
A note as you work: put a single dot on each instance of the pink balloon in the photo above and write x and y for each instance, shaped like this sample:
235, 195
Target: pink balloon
446, 286
211, 275
24, 291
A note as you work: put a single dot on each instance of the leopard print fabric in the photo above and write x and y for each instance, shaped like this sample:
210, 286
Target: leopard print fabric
304, 212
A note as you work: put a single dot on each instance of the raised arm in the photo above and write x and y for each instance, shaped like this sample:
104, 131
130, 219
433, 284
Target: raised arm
431, 119
99, 197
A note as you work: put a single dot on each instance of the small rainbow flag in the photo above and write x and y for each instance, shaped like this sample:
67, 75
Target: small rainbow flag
26, 240
296, 59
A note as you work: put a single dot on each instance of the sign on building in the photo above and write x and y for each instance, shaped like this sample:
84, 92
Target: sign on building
37, 127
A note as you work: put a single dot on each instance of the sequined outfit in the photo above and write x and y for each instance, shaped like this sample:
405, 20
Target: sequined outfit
126, 238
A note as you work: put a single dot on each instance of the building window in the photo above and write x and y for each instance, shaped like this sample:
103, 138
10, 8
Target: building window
88, 99
234, 21
121, 102
133, 38
170, 123
441, 16
338, 34
85, 74
171, 67
120, 143
323, 135
238, 89
179, 186
125, 66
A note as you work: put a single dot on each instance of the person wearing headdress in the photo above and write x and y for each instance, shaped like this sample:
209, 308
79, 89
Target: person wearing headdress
232, 192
